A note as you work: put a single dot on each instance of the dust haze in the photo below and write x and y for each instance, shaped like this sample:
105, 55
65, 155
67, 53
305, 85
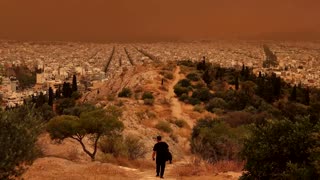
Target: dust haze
138, 20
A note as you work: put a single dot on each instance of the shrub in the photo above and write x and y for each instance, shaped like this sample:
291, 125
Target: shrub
164, 126
135, 147
184, 83
179, 90
19, 132
168, 75
77, 110
63, 104
113, 145
187, 63
183, 97
147, 95
130, 146
238, 118
282, 149
215, 140
181, 123
194, 101
193, 77
216, 103
199, 85
202, 94
126, 92
198, 108
76, 95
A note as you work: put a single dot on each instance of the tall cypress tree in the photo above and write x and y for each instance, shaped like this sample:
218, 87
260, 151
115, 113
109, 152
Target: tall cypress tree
66, 90
242, 70
50, 101
307, 96
74, 84
236, 83
293, 96
40, 100
58, 92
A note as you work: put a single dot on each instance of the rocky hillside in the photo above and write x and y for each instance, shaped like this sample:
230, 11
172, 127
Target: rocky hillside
163, 115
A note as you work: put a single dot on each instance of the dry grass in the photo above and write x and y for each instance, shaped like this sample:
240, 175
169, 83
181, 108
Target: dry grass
140, 164
225, 166
57, 168
73, 155
184, 132
201, 168
195, 168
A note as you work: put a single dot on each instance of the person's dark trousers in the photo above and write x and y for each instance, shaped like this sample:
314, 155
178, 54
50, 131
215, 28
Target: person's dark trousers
160, 168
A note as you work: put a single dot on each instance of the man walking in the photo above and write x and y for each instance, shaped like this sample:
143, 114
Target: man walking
160, 150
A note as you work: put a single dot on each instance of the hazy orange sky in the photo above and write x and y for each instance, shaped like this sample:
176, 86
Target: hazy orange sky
100, 20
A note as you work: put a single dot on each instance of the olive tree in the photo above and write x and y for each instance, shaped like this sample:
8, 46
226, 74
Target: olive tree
93, 124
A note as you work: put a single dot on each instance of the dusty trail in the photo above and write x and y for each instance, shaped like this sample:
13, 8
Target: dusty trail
176, 107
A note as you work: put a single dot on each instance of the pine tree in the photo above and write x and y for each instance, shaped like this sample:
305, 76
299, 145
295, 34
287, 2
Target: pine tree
293, 96
307, 96
66, 90
58, 92
74, 84
236, 83
242, 70
40, 100
50, 101
207, 78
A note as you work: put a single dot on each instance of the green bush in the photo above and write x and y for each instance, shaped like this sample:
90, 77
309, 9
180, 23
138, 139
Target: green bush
198, 108
63, 104
184, 83
126, 92
147, 95
215, 140
199, 85
216, 103
181, 123
194, 101
76, 95
164, 126
183, 97
113, 145
202, 94
282, 149
130, 147
135, 147
19, 132
168, 75
187, 63
179, 90
193, 77
77, 110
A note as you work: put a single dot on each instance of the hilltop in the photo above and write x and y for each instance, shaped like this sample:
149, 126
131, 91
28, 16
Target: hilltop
142, 120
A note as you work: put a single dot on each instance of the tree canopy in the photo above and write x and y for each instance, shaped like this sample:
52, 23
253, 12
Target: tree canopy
282, 149
94, 123
20, 128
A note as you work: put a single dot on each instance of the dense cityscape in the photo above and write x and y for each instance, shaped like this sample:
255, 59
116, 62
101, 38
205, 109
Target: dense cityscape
53, 63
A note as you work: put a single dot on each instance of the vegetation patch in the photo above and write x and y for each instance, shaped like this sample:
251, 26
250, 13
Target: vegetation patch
164, 126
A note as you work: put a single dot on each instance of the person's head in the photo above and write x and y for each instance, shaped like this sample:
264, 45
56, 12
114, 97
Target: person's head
158, 138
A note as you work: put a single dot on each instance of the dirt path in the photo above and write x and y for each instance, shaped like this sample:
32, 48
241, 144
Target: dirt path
151, 173
176, 107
